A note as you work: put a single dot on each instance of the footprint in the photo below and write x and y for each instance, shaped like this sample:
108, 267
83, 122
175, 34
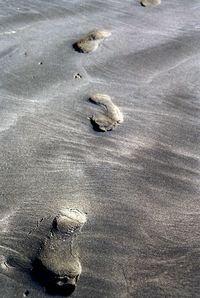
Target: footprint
57, 265
91, 41
150, 2
112, 117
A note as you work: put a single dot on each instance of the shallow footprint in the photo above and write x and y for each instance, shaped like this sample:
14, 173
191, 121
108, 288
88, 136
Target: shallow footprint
112, 117
91, 41
150, 2
57, 265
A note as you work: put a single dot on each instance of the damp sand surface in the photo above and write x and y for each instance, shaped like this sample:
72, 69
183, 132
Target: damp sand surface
139, 183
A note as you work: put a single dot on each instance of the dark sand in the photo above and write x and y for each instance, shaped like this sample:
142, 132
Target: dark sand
138, 184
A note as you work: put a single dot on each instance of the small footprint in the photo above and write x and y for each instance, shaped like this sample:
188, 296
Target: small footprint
150, 2
91, 41
57, 265
112, 117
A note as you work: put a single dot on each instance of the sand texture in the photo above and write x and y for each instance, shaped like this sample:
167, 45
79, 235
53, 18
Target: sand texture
138, 184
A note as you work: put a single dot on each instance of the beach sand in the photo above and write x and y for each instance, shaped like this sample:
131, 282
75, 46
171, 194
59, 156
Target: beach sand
138, 184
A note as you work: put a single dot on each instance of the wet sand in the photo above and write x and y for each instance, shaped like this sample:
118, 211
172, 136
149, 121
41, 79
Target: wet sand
138, 184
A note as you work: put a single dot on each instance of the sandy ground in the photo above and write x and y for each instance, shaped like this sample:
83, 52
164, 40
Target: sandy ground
138, 184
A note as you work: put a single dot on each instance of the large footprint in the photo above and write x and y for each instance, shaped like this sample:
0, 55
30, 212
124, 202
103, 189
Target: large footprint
112, 117
57, 265
91, 41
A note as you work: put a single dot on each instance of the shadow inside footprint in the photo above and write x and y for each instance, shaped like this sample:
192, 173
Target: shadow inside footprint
51, 281
96, 126
77, 48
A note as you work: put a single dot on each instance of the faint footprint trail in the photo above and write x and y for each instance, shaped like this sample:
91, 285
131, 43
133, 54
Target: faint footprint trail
90, 42
112, 116
150, 2
57, 266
